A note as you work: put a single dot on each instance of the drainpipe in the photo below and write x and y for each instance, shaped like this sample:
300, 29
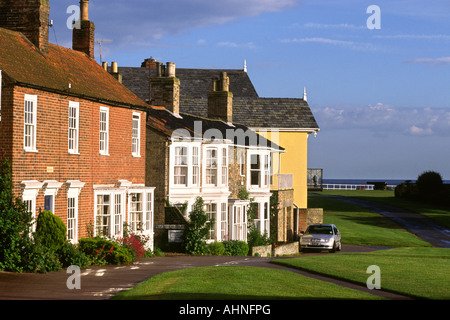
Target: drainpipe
296, 225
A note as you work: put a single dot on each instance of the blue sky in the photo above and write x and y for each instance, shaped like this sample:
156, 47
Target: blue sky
381, 97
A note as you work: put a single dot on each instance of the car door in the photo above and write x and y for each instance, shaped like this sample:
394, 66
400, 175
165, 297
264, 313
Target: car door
337, 235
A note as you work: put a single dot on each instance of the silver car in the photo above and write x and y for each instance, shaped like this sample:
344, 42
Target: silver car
322, 237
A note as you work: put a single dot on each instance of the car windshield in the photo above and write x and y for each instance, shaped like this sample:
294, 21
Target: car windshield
319, 230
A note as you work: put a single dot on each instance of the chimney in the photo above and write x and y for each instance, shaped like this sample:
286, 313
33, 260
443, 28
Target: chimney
84, 32
30, 17
165, 88
115, 71
220, 99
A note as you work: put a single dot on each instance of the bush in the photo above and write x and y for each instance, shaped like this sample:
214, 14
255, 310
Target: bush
216, 248
101, 251
134, 244
15, 225
194, 237
235, 248
50, 230
406, 190
39, 258
430, 186
68, 254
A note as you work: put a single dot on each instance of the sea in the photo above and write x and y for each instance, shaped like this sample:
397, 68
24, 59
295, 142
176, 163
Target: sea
390, 182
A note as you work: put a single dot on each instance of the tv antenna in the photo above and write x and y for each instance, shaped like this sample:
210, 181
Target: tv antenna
100, 42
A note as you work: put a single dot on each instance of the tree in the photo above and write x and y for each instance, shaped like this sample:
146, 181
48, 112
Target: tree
15, 224
430, 185
195, 235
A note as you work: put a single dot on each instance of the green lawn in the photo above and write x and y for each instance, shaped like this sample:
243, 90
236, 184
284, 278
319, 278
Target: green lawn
361, 226
438, 213
237, 283
418, 272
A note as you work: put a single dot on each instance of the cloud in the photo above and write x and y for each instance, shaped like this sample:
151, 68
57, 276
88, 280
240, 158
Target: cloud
435, 62
333, 26
352, 45
382, 119
228, 44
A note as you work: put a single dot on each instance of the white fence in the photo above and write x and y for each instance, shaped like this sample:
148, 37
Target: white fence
328, 186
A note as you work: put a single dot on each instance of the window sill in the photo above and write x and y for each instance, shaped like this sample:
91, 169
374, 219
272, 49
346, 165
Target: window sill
136, 155
31, 150
104, 154
74, 153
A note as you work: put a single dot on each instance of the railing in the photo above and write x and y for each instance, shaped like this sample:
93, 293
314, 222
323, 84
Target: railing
353, 186
283, 181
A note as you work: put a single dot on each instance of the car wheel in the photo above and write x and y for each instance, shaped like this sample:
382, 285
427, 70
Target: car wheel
333, 250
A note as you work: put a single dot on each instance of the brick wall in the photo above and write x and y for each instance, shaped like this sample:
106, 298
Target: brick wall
157, 170
52, 160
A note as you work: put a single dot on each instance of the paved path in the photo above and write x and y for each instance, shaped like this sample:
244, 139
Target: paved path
102, 282
415, 223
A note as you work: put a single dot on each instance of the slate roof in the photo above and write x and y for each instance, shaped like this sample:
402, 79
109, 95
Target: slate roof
186, 125
248, 108
194, 83
24, 64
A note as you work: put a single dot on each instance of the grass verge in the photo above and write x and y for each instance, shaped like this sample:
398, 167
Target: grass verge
417, 272
237, 283
361, 226
438, 213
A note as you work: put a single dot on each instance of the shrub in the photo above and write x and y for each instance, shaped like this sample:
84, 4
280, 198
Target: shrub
406, 190
430, 185
15, 225
39, 258
50, 230
101, 251
235, 248
68, 254
194, 237
134, 244
216, 248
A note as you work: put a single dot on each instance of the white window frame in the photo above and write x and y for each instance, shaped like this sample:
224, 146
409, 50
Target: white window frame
51, 190
224, 232
74, 127
104, 132
30, 123
212, 214
224, 166
146, 209
196, 165
253, 170
211, 171
73, 192
181, 165
30, 192
136, 135
114, 195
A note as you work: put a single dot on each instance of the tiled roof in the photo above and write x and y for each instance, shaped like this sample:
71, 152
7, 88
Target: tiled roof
286, 113
248, 108
194, 83
186, 125
26, 65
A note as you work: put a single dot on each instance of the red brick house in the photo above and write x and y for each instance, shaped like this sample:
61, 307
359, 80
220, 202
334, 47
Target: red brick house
75, 136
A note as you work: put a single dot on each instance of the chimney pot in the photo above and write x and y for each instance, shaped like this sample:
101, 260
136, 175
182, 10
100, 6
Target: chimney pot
170, 70
114, 67
84, 8
105, 65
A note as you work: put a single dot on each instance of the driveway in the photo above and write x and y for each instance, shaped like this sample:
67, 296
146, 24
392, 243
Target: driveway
102, 282
415, 223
